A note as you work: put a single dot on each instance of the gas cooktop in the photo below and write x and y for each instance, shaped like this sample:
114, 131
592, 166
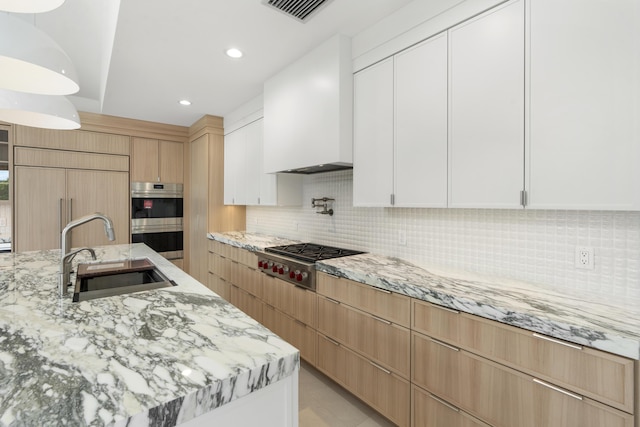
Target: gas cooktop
311, 252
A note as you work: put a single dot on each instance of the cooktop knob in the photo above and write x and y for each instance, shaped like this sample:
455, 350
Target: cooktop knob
260, 264
275, 268
292, 274
281, 270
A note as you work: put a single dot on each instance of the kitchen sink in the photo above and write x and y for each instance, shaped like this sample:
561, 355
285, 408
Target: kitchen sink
99, 280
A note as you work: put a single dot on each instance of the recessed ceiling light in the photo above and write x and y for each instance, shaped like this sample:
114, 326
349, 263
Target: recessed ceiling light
184, 102
234, 53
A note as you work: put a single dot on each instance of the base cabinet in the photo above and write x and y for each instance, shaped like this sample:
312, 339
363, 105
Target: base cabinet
501, 396
293, 331
429, 410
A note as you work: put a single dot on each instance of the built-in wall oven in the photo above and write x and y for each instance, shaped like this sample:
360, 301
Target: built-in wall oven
156, 217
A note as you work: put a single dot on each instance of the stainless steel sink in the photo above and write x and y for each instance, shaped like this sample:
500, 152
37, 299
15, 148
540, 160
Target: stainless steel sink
99, 280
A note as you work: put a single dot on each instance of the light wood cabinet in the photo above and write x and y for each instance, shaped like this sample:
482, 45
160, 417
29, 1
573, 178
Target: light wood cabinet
486, 109
250, 304
602, 376
501, 396
378, 302
373, 337
584, 94
46, 199
380, 388
155, 160
299, 303
219, 286
295, 332
429, 410
72, 140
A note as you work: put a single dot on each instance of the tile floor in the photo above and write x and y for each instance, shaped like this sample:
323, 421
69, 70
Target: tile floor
322, 403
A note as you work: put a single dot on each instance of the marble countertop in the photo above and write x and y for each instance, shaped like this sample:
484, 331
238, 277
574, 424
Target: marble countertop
572, 317
150, 358
250, 241
612, 326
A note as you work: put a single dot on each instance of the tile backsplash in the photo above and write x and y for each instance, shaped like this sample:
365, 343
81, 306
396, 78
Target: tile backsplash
533, 245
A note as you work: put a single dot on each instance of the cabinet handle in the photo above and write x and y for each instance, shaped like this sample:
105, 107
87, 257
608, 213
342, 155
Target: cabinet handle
386, 371
60, 215
234, 262
332, 341
450, 347
379, 319
382, 290
69, 210
450, 310
300, 323
558, 389
543, 337
448, 405
332, 300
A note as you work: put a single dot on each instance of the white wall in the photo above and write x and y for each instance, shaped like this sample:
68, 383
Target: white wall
536, 246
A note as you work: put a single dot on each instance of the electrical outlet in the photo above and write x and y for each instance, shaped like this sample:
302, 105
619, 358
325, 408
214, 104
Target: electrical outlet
402, 238
584, 258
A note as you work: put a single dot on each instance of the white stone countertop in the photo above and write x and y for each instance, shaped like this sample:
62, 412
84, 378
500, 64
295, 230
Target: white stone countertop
609, 325
156, 357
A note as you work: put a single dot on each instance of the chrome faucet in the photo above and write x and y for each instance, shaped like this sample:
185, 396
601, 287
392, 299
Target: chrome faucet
66, 256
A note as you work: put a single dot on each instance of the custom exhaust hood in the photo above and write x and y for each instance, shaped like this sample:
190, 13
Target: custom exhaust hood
308, 112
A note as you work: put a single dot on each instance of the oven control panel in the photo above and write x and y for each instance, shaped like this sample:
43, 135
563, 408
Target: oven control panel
292, 271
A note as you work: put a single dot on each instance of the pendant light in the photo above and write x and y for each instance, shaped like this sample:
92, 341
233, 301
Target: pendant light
29, 6
32, 62
41, 111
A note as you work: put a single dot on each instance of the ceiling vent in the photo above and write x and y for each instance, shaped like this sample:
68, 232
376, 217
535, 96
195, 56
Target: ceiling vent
298, 9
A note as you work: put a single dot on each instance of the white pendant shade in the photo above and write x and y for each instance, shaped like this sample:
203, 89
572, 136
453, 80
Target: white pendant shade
30, 61
29, 6
41, 111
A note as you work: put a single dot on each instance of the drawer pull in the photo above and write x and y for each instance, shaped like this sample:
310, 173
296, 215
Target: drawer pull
450, 347
450, 310
448, 405
383, 290
379, 319
558, 389
304, 325
332, 341
543, 337
332, 300
386, 371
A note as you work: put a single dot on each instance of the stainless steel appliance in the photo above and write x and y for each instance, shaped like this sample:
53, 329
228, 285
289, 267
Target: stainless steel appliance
296, 263
156, 217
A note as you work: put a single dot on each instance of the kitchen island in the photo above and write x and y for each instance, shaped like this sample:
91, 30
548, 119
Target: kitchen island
179, 355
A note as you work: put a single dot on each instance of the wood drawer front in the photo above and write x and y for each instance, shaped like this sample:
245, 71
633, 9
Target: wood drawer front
220, 266
299, 303
296, 333
76, 140
219, 286
69, 160
379, 302
248, 279
242, 256
429, 410
602, 376
385, 343
386, 392
216, 247
501, 396
246, 302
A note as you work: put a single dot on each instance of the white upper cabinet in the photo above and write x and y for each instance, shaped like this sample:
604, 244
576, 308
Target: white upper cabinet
584, 90
486, 109
373, 135
400, 129
245, 183
308, 111
421, 125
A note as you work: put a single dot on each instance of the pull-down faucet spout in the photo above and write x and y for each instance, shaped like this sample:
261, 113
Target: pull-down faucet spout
66, 257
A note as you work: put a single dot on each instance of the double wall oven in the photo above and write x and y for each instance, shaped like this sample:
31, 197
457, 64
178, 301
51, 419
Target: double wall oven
156, 217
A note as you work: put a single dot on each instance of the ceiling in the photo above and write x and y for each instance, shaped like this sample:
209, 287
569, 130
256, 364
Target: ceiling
138, 58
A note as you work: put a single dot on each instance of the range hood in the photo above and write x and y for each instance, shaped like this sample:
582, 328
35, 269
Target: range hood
308, 112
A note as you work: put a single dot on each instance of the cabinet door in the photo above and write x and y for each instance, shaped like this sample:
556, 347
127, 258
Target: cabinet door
39, 208
199, 211
144, 160
99, 191
171, 159
584, 98
373, 135
421, 125
486, 110
235, 168
252, 170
